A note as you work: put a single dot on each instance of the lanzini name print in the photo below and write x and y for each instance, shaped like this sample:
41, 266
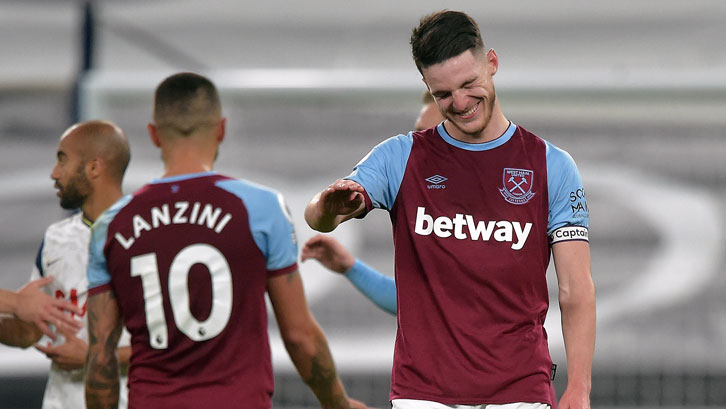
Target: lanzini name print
182, 213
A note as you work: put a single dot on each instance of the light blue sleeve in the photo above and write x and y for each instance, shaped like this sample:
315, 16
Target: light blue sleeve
381, 171
567, 200
379, 288
270, 222
98, 274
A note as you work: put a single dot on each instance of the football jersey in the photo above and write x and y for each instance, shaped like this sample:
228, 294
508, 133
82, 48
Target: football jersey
188, 259
63, 255
471, 228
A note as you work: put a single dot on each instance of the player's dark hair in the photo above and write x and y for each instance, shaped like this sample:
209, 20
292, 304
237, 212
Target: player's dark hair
184, 94
443, 35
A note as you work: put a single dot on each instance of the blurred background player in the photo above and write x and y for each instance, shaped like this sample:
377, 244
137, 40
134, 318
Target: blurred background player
188, 259
30, 304
474, 222
429, 115
91, 160
378, 287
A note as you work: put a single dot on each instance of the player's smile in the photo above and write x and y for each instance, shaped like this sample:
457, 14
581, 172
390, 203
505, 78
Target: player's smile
469, 114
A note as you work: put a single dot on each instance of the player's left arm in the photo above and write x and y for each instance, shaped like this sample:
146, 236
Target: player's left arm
102, 366
577, 305
569, 237
305, 341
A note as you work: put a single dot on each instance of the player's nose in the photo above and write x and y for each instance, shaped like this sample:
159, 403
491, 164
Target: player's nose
459, 100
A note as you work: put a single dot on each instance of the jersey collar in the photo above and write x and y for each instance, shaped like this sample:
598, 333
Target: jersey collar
501, 140
183, 177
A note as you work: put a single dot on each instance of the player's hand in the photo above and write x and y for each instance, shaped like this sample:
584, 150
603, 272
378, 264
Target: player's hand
573, 399
329, 252
343, 197
68, 356
41, 309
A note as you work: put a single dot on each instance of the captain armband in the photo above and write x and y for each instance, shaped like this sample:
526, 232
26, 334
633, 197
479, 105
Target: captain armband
569, 233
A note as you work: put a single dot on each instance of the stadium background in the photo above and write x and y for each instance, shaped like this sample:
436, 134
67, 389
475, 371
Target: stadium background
637, 94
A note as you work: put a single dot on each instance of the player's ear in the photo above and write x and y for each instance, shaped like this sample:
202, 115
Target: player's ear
493, 61
153, 134
221, 130
94, 168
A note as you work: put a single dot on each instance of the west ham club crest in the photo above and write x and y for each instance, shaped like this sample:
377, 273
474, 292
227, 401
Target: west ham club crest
517, 185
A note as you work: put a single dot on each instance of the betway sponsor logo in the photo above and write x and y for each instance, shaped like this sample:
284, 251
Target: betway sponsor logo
463, 226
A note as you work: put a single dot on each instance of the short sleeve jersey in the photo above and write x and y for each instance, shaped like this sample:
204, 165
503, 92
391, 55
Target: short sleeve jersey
188, 258
63, 255
472, 226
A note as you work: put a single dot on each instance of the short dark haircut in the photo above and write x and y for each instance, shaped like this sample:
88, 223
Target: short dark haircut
443, 35
185, 94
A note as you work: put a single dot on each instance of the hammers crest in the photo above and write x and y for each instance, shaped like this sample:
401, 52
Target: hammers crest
517, 185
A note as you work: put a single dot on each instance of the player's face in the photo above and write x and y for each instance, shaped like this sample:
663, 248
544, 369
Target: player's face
464, 91
70, 177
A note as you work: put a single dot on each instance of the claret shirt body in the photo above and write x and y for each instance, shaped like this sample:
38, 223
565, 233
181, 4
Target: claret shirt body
472, 229
188, 258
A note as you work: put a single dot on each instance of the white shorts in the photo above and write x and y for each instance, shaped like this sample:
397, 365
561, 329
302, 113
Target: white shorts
425, 404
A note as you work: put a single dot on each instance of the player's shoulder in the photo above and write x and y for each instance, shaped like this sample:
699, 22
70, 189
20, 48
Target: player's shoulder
65, 223
553, 152
557, 156
65, 235
395, 146
68, 227
254, 195
246, 188
109, 214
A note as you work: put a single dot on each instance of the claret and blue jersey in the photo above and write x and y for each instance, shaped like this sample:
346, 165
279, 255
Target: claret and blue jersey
188, 258
473, 225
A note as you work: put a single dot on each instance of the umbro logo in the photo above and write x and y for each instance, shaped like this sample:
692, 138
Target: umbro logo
436, 182
436, 179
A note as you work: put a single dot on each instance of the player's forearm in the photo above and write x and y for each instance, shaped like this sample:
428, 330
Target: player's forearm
578, 330
8, 301
17, 333
318, 219
312, 358
377, 287
102, 380
102, 369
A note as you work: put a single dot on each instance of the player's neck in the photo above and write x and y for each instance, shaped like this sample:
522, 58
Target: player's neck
101, 199
185, 161
185, 169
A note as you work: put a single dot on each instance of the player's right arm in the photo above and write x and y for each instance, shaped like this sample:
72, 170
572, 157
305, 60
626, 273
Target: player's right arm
374, 183
341, 201
305, 341
102, 367
377, 287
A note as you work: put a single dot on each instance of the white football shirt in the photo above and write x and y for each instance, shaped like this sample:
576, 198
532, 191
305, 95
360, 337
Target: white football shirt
64, 255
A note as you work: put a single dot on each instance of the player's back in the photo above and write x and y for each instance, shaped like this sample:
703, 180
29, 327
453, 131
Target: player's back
189, 259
